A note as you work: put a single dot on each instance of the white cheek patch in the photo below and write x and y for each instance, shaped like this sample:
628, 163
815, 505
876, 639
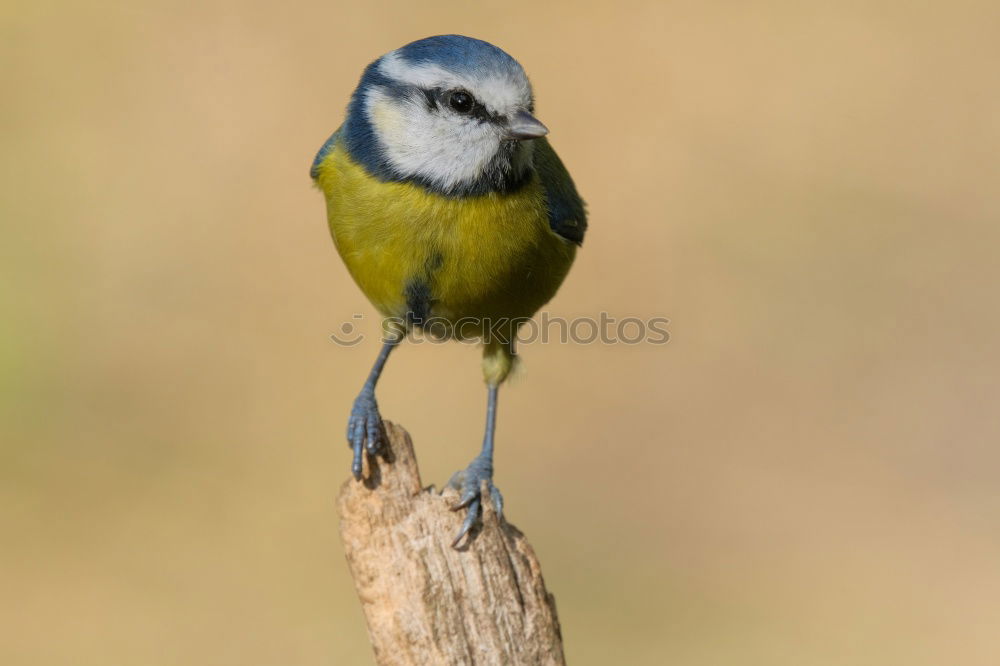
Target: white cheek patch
446, 151
385, 117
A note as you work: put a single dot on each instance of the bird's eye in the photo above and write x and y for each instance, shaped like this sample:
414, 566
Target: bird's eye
461, 101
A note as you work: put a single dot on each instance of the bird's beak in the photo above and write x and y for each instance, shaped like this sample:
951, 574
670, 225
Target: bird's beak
525, 126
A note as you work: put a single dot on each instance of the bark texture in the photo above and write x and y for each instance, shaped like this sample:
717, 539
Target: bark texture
427, 603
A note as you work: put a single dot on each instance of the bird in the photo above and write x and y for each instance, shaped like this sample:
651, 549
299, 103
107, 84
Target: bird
453, 214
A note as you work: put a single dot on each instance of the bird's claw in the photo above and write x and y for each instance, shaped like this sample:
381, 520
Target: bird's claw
364, 429
469, 483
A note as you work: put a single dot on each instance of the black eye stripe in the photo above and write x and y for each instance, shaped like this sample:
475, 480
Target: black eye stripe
482, 114
431, 97
437, 99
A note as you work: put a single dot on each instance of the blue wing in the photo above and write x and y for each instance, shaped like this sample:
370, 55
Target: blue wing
323, 152
567, 214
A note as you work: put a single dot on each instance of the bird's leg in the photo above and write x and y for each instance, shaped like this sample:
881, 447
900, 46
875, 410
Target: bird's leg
469, 481
364, 428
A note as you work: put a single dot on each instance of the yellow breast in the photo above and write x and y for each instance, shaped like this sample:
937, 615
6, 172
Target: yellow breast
485, 256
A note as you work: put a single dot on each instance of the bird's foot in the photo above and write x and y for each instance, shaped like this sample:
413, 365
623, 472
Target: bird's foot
364, 429
469, 484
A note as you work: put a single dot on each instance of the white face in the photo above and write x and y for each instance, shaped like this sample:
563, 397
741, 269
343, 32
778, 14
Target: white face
437, 142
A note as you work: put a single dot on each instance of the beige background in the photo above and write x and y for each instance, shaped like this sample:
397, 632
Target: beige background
806, 474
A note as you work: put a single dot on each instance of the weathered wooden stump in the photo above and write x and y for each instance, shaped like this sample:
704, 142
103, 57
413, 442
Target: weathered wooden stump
427, 603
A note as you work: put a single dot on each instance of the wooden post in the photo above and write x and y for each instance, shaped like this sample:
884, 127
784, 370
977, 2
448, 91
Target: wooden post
427, 603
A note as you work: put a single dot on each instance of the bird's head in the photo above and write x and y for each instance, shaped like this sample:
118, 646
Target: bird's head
451, 113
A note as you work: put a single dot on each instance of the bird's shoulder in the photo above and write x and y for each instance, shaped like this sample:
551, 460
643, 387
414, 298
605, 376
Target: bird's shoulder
325, 149
566, 210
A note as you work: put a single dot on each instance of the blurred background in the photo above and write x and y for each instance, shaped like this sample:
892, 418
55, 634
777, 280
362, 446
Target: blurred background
806, 474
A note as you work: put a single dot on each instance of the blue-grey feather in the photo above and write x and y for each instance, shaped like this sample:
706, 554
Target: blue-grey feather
323, 152
567, 212
460, 54
359, 133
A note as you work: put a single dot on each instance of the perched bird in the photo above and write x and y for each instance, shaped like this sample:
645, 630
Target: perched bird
448, 206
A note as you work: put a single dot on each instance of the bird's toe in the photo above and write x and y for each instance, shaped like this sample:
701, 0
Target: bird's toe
470, 484
364, 430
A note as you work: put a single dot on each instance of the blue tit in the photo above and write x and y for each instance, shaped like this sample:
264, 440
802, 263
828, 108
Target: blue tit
448, 206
